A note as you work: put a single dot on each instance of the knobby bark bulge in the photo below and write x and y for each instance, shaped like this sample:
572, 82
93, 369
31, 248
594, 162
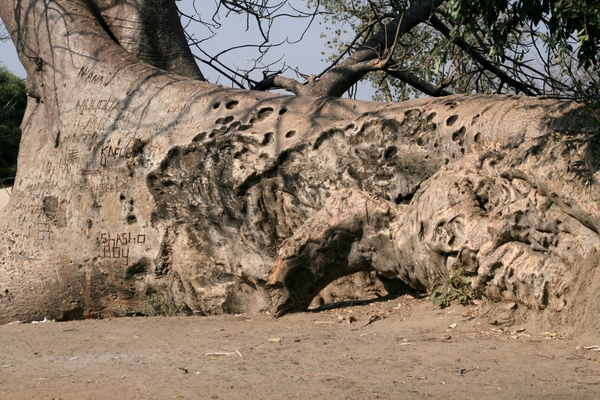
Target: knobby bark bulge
140, 189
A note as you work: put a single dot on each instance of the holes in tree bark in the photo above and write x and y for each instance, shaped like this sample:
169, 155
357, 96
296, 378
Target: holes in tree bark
475, 119
321, 139
481, 201
451, 120
240, 153
451, 104
223, 147
216, 105
350, 126
511, 273
459, 135
199, 137
268, 138
131, 219
230, 105
151, 180
138, 146
290, 134
264, 113
421, 141
390, 152
219, 131
353, 174
223, 121
250, 181
413, 114
282, 111
140, 267
404, 199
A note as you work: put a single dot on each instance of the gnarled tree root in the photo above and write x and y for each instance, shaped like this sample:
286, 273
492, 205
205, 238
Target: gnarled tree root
351, 233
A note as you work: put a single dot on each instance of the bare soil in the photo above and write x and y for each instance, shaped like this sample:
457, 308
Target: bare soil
403, 348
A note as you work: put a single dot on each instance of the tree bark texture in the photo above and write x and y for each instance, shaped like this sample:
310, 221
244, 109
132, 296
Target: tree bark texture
141, 190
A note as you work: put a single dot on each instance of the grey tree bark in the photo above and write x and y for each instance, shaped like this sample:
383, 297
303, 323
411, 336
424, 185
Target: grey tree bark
142, 190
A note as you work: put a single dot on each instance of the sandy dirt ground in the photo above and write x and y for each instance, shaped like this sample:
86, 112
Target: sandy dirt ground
405, 348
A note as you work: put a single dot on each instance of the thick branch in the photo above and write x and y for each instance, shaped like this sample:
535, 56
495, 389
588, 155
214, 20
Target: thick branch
373, 55
281, 82
418, 83
486, 64
367, 58
152, 31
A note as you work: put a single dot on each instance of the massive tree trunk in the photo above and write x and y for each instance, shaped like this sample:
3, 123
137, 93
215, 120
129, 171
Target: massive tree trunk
139, 189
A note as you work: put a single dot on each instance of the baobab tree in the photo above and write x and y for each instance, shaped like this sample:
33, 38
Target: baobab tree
141, 187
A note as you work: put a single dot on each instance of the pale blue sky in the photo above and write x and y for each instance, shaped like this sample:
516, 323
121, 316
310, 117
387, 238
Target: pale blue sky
8, 56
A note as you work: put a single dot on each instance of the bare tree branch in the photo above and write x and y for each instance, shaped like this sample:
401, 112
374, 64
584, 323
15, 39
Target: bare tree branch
485, 63
260, 14
418, 83
370, 56
281, 82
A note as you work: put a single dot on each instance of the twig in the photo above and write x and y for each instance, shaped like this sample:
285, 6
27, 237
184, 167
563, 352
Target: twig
541, 355
220, 353
32, 350
372, 319
390, 51
4, 187
584, 383
320, 375
326, 375
592, 348
461, 382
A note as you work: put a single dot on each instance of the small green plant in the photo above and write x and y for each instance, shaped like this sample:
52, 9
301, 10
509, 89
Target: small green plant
557, 137
165, 307
133, 313
457, 287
